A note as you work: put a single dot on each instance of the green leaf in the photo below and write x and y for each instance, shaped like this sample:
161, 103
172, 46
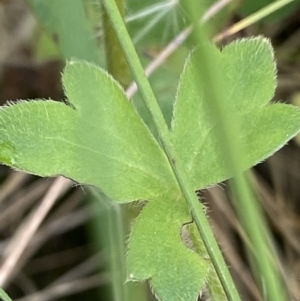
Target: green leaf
157, 252
62, 17
99, 141
248, 78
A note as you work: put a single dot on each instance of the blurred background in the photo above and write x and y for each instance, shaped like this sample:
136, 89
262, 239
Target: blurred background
77, 250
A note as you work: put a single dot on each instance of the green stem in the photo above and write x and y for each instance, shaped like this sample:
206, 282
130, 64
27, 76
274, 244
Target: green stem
164, 137
119, 218
4, 296
247, 206
116, 62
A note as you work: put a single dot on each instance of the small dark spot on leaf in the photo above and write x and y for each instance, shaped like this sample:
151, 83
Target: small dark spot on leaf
55, 37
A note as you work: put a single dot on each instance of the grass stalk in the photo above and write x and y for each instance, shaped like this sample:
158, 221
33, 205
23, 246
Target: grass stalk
257, 16
245, 202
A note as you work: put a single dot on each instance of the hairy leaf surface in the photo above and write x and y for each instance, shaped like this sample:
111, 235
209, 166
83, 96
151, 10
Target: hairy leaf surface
248, 79
98, 139
156, 251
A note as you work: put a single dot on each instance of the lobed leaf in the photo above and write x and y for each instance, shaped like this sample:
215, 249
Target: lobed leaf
156, 251
99, 141
248, 79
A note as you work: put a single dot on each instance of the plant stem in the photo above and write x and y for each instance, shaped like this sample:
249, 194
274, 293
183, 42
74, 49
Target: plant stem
119, 219
247, 206
4, 296
164, 137
176, 42
115, 60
